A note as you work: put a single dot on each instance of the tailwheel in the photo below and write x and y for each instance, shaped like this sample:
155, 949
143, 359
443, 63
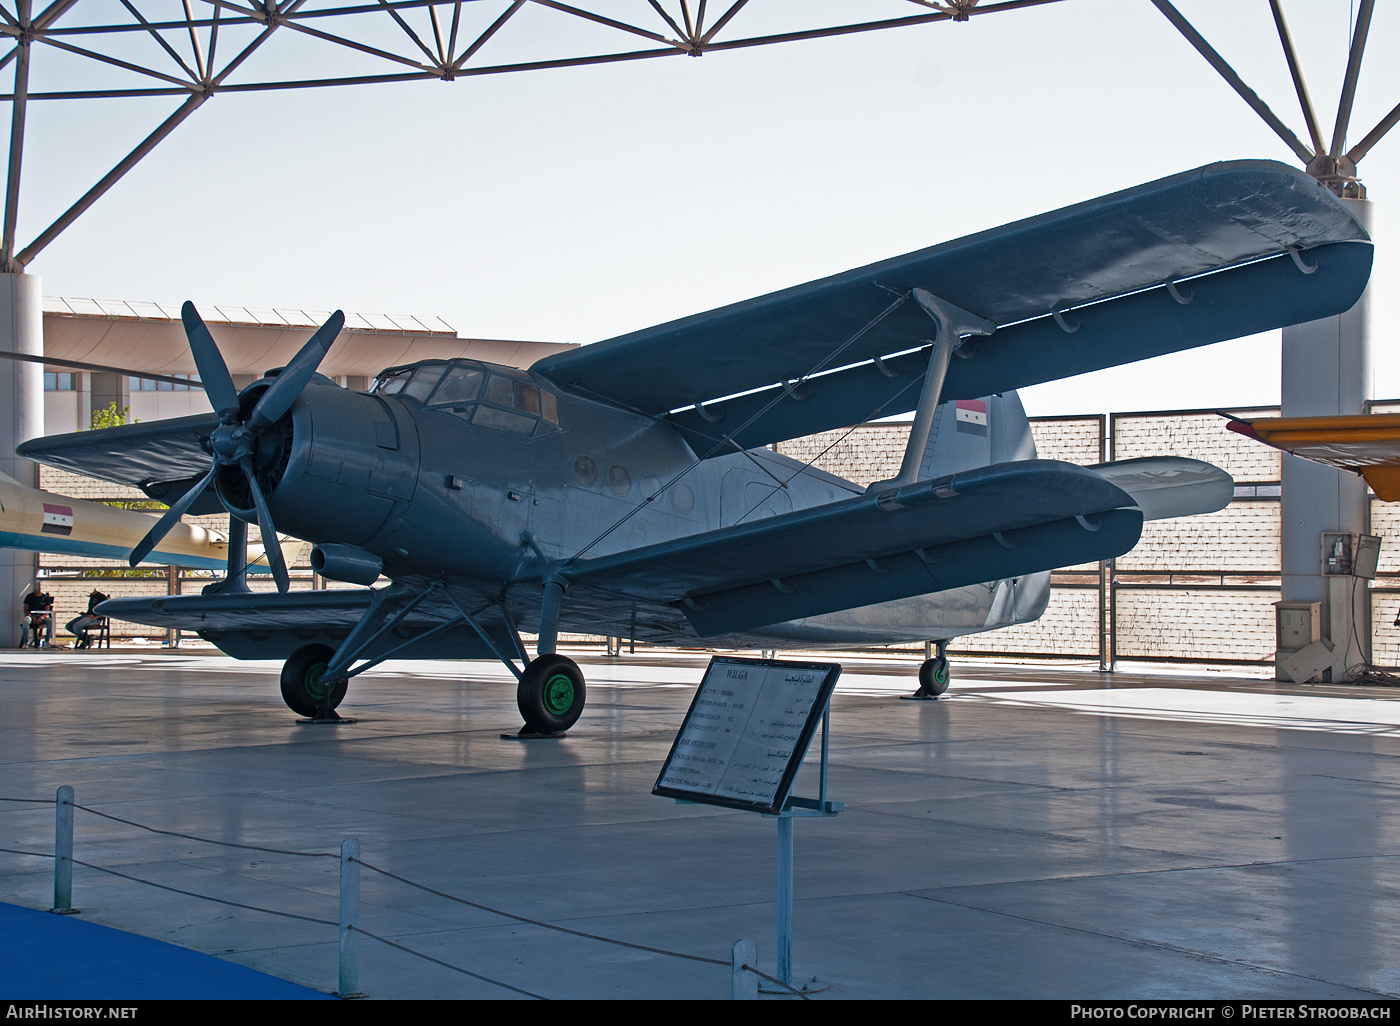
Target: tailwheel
934, 676
551, 694
302, 688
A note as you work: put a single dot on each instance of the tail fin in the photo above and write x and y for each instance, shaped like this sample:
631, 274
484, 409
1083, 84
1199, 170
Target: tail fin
970, 433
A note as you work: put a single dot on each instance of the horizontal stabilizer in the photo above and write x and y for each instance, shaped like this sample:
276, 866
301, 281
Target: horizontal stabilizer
1171, 486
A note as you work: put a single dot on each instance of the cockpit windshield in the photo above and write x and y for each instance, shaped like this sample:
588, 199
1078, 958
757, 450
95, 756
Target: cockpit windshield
497, 397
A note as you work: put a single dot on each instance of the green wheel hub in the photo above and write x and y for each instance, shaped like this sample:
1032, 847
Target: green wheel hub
311, 681
558, 694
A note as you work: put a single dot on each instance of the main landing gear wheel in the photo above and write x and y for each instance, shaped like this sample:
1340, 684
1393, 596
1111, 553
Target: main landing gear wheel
302, 689
551, 694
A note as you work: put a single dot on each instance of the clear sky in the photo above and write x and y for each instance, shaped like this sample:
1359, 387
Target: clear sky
578, 204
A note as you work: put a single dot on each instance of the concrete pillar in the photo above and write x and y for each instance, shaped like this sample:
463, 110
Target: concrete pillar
106, 390
21, 418
1326, 372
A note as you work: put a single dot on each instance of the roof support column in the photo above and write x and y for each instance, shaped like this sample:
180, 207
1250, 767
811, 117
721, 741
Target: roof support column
21, 418
20, 105
1327, 372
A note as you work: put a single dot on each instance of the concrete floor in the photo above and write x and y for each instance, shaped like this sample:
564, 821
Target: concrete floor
1040, 833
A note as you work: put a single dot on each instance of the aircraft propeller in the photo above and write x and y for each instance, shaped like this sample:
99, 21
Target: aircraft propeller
238, 441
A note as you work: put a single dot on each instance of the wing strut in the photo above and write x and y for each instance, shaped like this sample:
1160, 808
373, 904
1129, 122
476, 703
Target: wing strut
952, 324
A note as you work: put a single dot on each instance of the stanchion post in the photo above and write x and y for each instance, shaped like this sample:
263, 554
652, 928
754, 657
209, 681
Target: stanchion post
744, 984
349, 918
63, 851
785, 899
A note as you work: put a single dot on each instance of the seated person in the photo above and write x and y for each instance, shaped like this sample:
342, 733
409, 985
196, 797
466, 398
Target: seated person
80, 625
37, 625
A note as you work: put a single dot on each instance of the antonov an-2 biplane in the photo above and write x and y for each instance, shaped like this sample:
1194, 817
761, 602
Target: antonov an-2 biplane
624, 488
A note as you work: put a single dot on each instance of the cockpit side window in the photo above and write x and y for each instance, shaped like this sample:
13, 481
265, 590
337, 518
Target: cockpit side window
423, 380
390, 382
461, 384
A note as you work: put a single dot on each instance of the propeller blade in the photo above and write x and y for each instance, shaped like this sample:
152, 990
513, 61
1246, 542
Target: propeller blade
279, 397
213, 372
170, 519
266, 529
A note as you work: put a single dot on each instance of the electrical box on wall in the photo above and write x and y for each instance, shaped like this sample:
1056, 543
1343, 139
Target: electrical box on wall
1368, 556
1297, 625
1349, 555
1336, 554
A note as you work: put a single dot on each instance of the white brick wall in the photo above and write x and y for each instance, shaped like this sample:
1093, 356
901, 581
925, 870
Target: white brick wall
1072, 439
1241, 538
1201, 436
1195, 623
1069, 627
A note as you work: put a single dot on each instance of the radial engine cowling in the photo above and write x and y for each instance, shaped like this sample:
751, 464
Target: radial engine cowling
351, 472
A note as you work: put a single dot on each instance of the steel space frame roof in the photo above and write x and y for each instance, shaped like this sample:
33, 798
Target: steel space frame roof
194, 49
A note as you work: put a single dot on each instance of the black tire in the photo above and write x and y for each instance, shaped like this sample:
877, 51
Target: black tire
934, 675
301, 680
551, 694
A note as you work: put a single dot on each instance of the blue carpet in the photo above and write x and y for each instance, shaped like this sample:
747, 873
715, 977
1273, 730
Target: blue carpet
45, 956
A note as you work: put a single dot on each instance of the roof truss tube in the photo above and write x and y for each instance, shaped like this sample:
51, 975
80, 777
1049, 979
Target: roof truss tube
352, 45
194, 40
680, 32
159, 39
115, 62
1285, 38
723, 21
110, 179
490, 31
620, 25
437, 35
1358, 47
1374, 136
21, 106
1236, 83
414, 35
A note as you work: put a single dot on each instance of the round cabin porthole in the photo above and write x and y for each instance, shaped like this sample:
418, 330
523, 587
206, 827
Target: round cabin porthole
619, 480
586, 471
682, 498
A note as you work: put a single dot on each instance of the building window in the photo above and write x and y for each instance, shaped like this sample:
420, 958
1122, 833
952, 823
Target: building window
135, 384
58, 381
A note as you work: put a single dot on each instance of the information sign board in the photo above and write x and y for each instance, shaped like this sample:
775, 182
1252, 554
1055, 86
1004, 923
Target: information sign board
747, 730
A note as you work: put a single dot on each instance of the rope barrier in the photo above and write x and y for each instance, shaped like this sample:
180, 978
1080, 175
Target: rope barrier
355, 928
546, 926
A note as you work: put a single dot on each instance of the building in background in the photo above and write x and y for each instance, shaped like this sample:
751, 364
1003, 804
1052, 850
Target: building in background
135, 339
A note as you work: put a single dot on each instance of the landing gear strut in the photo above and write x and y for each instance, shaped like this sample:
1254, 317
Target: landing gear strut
933, 675
551, 691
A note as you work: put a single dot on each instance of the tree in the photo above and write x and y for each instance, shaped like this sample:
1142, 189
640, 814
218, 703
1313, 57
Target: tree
111, 417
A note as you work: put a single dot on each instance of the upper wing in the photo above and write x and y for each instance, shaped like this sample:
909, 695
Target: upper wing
163, 458
1367, 444
1228, 227
986, 524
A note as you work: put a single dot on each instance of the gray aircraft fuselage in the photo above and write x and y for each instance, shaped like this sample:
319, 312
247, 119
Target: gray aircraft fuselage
470, 473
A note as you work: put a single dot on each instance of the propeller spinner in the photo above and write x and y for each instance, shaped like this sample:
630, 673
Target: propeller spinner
235, 442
